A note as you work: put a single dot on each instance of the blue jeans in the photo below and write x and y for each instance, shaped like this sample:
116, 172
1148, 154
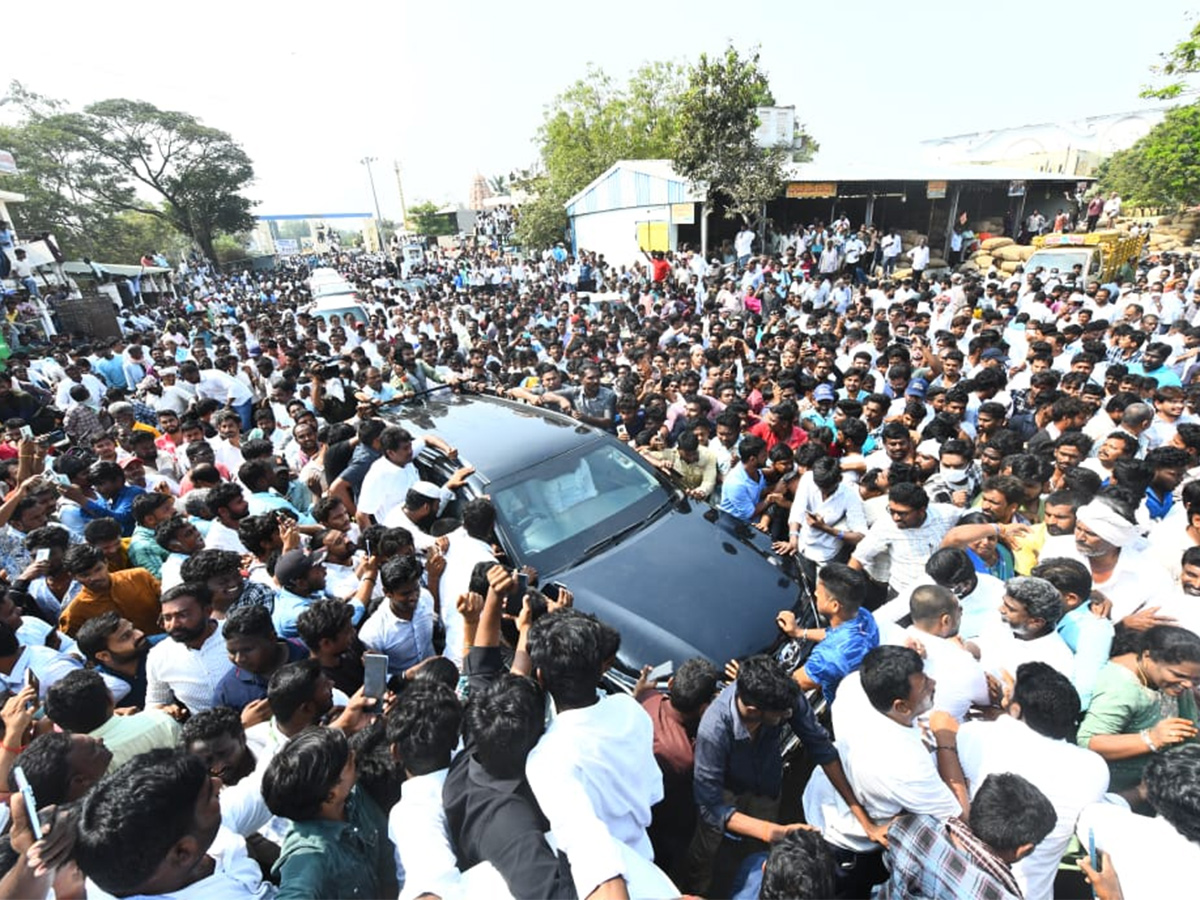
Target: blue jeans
31, 286
246, 412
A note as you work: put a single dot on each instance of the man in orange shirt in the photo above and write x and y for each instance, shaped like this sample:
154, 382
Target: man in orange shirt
779, 426
132, 593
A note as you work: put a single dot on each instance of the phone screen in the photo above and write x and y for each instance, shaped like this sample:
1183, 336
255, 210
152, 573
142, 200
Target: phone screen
374, 675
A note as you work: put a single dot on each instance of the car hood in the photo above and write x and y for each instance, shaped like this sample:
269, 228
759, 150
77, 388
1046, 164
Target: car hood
695, 582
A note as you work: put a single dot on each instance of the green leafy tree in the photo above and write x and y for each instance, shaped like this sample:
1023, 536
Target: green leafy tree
1162, 168
80, 169
715, 128
424, 219
587, 128
1178, 63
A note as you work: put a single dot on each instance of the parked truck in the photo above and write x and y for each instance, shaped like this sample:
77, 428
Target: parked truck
1100, 254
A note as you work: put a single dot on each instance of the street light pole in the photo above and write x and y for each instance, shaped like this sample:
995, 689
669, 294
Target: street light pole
366, 161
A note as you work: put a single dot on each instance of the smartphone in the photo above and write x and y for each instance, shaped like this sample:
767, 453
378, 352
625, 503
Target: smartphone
551, 590
42, 554
1093, 856
30, 801
515, 600
31, 680
375, 675
26, 432
660, 672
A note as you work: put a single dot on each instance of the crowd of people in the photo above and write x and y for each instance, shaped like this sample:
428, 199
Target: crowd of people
988, 486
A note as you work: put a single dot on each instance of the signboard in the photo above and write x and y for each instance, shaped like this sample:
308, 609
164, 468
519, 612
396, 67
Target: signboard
683, 213
1016, 189
8, 165
1066, 240
287, 246
776, 127
653, 236
811, 190
935, 190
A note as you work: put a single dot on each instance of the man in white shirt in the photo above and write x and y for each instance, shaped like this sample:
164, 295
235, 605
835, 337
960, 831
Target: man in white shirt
743, 246
887, 762
593, 771
387, 482
1037, 739
936, 614
190, 857
1026, 632
224, 388
1146, 853
186, 669
469, 546
825, 514
402, 627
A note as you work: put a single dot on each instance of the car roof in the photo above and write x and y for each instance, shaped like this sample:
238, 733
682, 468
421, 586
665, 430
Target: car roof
497, 437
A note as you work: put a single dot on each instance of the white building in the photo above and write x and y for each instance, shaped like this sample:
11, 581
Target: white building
636, 205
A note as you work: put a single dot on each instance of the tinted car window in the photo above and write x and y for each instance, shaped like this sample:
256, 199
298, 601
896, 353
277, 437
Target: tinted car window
554, 513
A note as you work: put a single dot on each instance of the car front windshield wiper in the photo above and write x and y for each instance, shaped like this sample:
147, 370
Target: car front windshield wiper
615, 538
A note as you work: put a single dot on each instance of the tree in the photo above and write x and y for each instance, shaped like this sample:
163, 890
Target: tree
1182, 60
129, 156
586, 129
715, 143
1162, 168
424, 219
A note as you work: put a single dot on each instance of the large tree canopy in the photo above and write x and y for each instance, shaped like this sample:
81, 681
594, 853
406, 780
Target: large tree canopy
1162, 168
590, 126
125, 156
715, 143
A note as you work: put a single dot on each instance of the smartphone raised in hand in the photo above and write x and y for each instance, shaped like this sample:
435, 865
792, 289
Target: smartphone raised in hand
375, 675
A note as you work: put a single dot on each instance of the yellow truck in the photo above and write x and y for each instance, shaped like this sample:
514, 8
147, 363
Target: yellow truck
1100, 254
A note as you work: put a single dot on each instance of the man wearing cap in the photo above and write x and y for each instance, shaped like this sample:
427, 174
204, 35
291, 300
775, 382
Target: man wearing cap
301, 577
422, 505
821, 414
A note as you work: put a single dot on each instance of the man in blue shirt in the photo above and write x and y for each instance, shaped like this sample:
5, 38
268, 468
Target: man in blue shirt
1153, 365
256, 652
116, 497
851, 634
741, 493
739, 769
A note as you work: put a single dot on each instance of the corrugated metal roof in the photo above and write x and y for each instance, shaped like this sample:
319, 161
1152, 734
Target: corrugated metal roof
634, 182
82, 268
918, 171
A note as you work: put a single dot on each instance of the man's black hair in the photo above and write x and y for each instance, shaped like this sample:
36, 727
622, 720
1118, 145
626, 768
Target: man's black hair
165, 532
505, 721
885, 673
130, 820
256, 474
210, 563
479, 518
800, 865
1007, 811
48, 536
323, 620
251, 620
81, 558
375, 771
693, 685
764, 684
291, 686
423, 727
79, 701
303, 772
1070, 576
847, 586
210, 724
45, 763
93, 634
399, 571
223, 494
948, 566
568, 653
147, 503
438, 670
1049, 703
908, 494
255, 532
103, 529
1173, 788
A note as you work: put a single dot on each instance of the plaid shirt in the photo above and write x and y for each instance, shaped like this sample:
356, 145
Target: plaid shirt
81, 422
925, 862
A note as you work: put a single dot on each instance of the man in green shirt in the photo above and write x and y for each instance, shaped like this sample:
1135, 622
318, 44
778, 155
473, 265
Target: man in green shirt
150, 510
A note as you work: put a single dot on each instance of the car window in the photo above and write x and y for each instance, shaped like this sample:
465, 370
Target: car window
553, 513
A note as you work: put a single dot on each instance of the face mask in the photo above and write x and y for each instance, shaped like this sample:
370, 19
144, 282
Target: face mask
955, 476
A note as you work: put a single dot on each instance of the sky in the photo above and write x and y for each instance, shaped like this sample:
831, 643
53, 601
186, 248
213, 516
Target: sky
451, 89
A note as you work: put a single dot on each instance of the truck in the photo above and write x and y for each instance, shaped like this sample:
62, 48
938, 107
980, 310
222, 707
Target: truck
1101, 254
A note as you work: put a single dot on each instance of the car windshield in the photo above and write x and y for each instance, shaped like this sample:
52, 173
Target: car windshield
1062, 259
554, 513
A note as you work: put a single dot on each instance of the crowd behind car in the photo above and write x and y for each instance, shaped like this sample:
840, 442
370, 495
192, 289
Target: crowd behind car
987, 483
